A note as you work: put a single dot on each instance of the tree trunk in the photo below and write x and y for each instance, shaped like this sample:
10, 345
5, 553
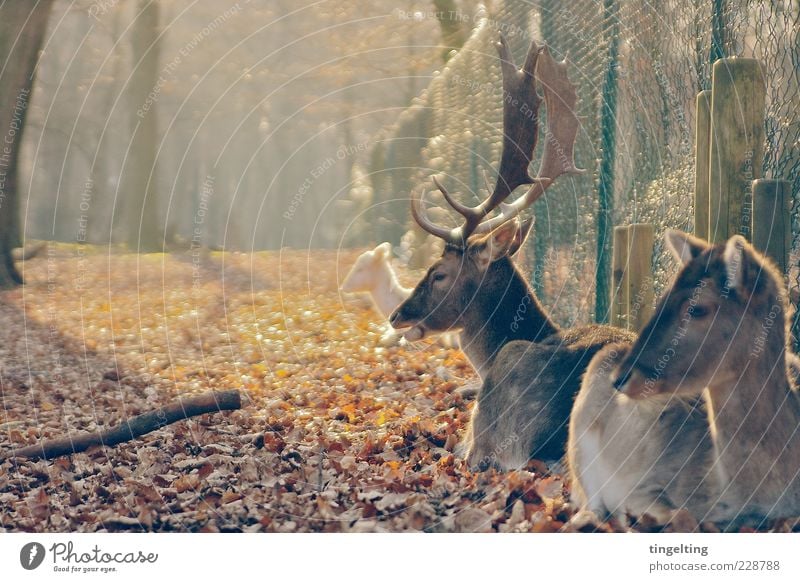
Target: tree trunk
105, 166
145, 231
22, 28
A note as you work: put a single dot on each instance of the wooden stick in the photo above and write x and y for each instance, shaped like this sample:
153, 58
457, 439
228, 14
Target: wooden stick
133, 427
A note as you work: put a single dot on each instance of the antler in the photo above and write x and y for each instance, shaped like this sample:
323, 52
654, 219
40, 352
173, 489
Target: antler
520, 135
560, 97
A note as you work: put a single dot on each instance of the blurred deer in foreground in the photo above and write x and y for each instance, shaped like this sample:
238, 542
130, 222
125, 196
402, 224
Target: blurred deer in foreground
702, 412
373, 273
530, 368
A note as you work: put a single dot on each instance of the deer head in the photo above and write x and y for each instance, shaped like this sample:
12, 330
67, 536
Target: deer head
451, 285
724, 306
368, 269
475, 261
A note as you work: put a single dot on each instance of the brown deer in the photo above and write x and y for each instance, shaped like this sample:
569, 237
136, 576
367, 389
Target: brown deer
530, 368
701, 412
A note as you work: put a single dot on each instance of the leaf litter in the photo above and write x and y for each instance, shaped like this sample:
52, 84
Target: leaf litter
337, 434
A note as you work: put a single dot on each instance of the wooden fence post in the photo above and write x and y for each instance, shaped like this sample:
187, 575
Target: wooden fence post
772, 219
632, 300
702, 140
738, 96
640, 278
619, 273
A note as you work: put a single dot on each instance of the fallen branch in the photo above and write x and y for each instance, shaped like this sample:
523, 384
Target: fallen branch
133, 427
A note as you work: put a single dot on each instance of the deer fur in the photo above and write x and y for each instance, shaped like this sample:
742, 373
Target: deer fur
530, 368
702, 411
372, 273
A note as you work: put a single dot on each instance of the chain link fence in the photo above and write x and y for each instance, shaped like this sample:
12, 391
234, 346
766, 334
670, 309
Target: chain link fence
638, 66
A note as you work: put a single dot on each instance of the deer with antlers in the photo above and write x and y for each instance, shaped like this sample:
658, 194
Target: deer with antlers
530, 368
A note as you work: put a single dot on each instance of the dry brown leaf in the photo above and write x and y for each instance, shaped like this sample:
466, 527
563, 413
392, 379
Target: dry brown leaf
186, 482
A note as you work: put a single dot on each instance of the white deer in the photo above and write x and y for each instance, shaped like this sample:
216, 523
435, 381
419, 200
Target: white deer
373, 273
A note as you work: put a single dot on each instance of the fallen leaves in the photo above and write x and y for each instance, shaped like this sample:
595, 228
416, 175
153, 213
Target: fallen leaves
339, 434
186, 483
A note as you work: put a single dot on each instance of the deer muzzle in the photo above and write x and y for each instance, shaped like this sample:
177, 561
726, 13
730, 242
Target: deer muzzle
401, 321
636, 381
398, 321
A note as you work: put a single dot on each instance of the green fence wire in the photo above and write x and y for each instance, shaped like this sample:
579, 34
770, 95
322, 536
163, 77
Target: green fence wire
638, 66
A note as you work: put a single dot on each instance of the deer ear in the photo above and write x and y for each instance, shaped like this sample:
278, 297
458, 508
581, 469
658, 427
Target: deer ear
684, 246
497, 244
384, 250
737, 257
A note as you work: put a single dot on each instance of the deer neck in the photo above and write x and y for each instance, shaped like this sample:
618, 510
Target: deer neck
753, 418
511, 311
388, 293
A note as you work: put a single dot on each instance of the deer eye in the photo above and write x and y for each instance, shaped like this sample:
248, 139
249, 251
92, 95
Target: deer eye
699, 311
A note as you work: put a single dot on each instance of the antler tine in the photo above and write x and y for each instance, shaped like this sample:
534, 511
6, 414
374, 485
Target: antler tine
560, 97
462, 209
420, 216
503, 206
472, 216
486, 180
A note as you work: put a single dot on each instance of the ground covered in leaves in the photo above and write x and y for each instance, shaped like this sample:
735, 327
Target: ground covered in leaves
336, 433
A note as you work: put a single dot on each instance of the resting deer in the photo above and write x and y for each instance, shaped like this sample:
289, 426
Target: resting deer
373, 273
530, 368
702, 411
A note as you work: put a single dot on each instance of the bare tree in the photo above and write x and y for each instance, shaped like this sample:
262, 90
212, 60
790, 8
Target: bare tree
144, 233
22, 28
